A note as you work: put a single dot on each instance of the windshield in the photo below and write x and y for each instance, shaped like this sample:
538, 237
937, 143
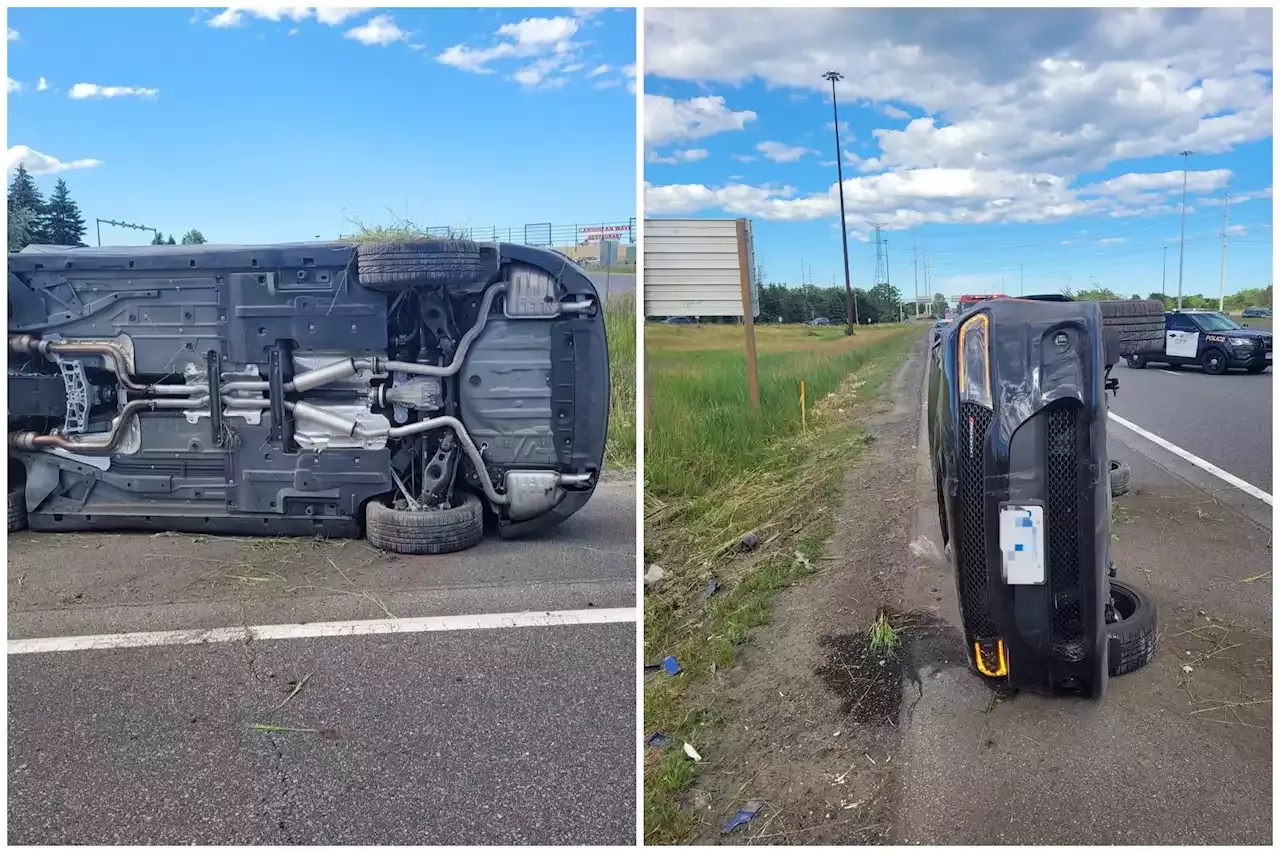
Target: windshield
1215, 323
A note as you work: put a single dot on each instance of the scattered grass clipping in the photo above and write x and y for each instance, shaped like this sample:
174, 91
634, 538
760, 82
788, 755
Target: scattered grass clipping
715, 471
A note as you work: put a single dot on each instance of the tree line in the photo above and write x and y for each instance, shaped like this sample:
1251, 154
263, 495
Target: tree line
1250, 297
881, 304
57, 221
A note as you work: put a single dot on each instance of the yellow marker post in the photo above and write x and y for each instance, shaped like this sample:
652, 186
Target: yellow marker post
804, 418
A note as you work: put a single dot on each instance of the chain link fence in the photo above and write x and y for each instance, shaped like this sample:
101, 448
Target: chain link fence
546, 233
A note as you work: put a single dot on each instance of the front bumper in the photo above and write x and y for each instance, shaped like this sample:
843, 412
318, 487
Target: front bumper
1043, 443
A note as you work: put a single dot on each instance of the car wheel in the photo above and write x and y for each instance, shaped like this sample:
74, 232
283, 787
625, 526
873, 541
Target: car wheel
1131, 638
429, 531
395, 266
1119, 478
1138, 323
1137, 362
17, 509
1214, 362
1258, 368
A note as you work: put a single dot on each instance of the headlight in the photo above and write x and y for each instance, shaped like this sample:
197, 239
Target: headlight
975, 361
1240, 342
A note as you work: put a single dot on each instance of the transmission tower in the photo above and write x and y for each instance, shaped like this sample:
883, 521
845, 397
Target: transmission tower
882, 262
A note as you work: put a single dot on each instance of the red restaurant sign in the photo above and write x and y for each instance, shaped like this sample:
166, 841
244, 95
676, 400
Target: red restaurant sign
596, 233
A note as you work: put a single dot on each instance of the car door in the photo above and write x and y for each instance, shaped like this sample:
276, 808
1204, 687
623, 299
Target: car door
1181, 337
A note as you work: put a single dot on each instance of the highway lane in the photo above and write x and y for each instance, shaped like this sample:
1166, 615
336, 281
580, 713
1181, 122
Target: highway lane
1225, 420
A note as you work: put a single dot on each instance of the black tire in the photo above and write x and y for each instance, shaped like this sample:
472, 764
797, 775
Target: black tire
17, 509
442, 531
1119, 478
1139, 323
1137, 362
1131, 640
1214, 361
394, 266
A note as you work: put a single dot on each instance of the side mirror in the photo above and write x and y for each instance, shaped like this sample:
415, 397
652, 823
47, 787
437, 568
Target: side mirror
1244, 325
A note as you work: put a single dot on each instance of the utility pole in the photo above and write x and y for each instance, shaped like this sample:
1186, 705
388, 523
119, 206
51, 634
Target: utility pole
850, 305
1222, 270
1182, 235
915, 272
1164, 269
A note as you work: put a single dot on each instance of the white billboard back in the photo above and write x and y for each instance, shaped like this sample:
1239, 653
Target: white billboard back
693, 268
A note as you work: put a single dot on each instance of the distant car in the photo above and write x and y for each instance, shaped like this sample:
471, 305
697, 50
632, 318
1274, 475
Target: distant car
819, 321
1256, 312
680, 321
1209, 339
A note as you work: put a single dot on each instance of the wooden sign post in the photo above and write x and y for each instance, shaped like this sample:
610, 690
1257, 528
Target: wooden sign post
748, 320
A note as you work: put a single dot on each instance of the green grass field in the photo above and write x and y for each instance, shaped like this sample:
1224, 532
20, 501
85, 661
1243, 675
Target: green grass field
715, 471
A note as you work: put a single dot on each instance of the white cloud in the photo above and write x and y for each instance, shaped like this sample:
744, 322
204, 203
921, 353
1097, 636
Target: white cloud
332, 16
42, 164
1236, 231
86, 91
780, 152
527, 38
744, 158
1015, 105
42, 84
379, 30
598, 70
608, 84
688, 155
14, 35
667, 120
14, 85
1106, 240
630, 72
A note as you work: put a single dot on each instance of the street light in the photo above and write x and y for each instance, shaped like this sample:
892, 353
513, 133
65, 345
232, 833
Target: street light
850, 306
1182, 235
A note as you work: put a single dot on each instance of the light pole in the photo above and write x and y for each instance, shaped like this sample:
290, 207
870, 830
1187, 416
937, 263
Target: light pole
850, 306
1182, 235
1164, 269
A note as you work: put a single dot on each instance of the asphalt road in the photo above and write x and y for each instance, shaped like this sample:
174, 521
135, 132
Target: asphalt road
501, 736
1177, 753
1225, 420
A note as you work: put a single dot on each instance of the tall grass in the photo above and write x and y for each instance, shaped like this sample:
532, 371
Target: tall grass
620, 327
703, 432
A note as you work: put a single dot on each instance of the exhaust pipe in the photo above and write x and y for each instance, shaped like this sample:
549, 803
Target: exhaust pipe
99, 442
114, 355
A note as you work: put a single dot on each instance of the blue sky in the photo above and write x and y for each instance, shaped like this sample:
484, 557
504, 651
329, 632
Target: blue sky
1058, 156
280, 125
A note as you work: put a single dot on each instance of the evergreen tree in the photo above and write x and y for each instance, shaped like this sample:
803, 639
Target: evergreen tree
193, 238
171, 241
21, 223
63, 224
24, 196
157, 240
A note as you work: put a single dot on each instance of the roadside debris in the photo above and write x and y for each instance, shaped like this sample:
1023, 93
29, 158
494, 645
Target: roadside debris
658, 740
712, 586
671, 665
743, 817
297, 687
802, 560
655, 574
691, 752
750, 541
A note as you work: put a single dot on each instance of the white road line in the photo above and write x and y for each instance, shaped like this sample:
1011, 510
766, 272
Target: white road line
1232, 479
198, 636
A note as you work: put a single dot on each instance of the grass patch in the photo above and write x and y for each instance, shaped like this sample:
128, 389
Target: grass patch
620, 327
713, 472
883, 637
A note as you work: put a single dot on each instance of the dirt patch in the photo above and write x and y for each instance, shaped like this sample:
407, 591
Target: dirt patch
794, 733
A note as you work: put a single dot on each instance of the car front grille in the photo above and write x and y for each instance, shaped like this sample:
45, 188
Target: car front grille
975, 593
1062, 529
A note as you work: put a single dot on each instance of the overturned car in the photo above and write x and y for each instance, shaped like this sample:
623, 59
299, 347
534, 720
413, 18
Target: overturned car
1017, 420
394, 389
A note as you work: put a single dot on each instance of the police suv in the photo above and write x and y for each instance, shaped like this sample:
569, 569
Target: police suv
1209, 339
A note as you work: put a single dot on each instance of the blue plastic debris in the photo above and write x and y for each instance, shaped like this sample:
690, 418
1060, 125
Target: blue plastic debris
742, 818
652, 667
712, 586
671, 665
658, 740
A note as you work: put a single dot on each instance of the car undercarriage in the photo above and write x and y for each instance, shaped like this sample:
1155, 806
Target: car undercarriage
304, 389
